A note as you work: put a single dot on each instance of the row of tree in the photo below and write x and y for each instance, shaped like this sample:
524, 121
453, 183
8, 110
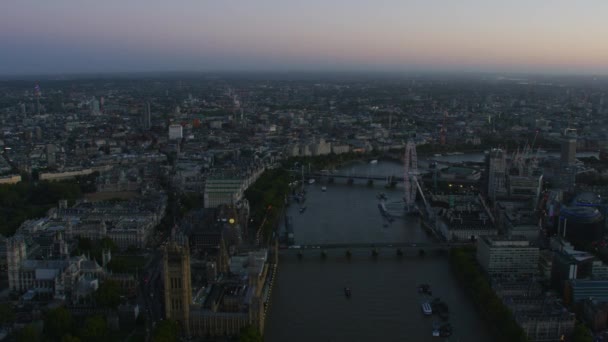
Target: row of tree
60, 325
266, 199
497, 316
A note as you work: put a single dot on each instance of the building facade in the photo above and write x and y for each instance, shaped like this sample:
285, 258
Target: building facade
508, 258
177, 281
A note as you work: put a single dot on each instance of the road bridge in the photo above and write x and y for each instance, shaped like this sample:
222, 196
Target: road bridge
384, 245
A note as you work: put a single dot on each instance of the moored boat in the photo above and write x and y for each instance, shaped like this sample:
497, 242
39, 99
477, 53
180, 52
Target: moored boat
436, 330
426, 309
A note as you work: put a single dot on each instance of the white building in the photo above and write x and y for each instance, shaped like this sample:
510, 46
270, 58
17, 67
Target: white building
508, 257
176, 132
228, 189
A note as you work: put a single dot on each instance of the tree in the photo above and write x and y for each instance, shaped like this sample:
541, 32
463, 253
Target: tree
581, 334
57, 323
29, 334
7, 315
107, 243
94, 329
70, 338
166, 331
108, 294
84, 244
250, 334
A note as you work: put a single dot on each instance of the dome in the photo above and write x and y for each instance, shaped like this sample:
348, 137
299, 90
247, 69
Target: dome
587, 199
581, 214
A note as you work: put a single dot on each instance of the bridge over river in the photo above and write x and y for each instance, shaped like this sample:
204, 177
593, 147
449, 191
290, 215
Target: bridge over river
378, 246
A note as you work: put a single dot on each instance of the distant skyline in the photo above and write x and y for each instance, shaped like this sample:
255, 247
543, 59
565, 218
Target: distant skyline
75, 36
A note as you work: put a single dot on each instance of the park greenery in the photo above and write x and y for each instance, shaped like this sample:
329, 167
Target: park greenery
581, 334
32, 199
108, 294
133, 264
166, 331
250, 334
60, 325
498, 317
267, 198
7, 314
29, 333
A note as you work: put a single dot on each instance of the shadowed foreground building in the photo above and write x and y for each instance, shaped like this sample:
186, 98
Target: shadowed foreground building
228, 302
235, 301
178, 292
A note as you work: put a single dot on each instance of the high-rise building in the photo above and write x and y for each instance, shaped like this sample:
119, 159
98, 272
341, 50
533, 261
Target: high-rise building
50, 155
94, 104
177, 281
146, 119
497, 168
15, 254
568, 148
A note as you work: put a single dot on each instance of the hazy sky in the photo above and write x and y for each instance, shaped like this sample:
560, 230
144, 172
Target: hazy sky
55, 36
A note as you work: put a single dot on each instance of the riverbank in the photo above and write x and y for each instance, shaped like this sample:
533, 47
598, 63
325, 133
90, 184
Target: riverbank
496, 315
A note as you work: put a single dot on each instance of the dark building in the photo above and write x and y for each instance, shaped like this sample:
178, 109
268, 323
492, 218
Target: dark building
568, 266
580, 224
146, 119
568, 150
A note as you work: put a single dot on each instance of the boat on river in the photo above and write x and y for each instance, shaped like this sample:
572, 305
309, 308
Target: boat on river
426, 308
436, 331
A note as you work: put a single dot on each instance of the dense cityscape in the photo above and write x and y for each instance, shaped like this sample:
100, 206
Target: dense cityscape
320, 170
161, 207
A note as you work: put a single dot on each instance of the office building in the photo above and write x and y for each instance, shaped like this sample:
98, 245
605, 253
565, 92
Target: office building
176, 132
508, 257
497, 167
51, 159
568, 148
578, 290
570, 265
146, 119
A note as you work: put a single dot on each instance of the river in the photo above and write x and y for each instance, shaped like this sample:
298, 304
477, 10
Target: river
308, 301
